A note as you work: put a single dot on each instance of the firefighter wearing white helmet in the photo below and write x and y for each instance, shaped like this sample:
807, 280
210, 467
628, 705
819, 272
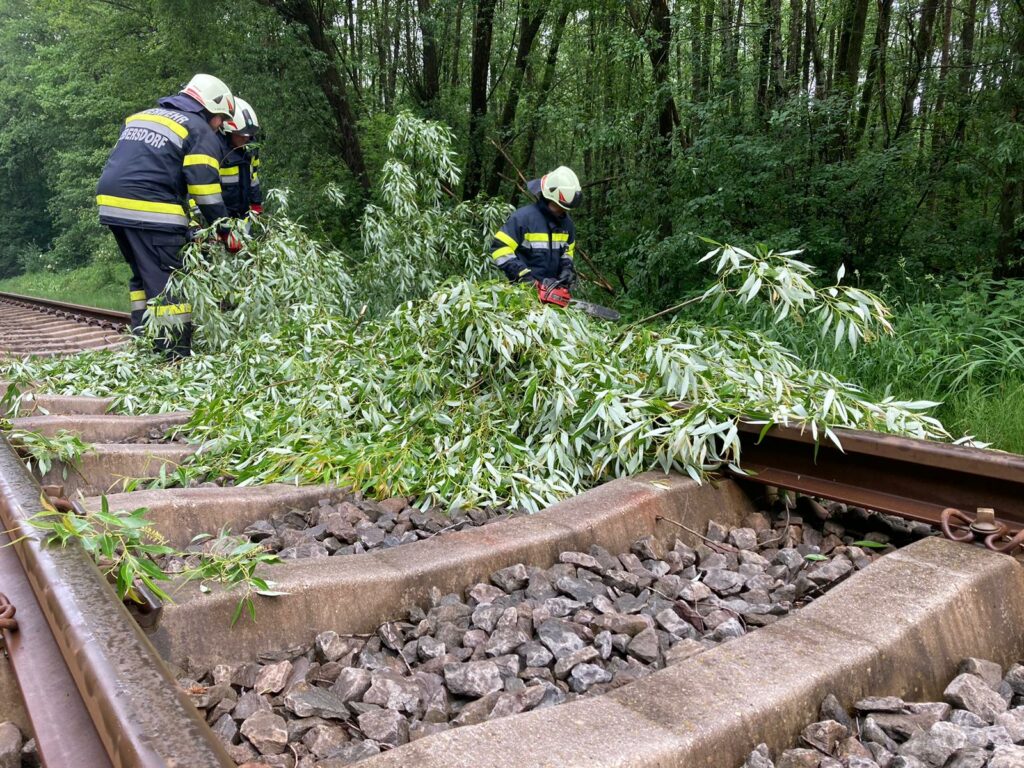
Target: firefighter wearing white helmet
538, 242
164, 156
240, 162
212, 94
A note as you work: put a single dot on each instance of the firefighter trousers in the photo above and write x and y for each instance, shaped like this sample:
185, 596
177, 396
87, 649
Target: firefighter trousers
153, 256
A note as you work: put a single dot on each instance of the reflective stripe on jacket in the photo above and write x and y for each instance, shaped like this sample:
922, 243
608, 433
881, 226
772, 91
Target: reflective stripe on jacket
163, 156
534, 242
239, 178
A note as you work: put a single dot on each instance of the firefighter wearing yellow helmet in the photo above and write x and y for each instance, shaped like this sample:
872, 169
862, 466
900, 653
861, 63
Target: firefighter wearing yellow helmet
538, 241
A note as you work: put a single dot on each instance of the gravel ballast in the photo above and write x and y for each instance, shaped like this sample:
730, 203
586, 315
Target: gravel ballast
528, 638
351, 526
17, 751
979, 723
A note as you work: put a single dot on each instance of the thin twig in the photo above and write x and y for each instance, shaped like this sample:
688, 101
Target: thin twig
446, 528
359, 320
600, 279
820, 589
713, 544
519, 173
656, 315
783, 531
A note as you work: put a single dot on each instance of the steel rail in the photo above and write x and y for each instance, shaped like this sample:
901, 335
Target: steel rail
138, 714
93, 315
60, 720
915, 479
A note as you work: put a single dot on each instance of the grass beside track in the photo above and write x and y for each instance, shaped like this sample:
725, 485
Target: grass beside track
102, 284
993, 415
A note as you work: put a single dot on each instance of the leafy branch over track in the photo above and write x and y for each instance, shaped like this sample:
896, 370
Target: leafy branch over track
124, 545
474, 393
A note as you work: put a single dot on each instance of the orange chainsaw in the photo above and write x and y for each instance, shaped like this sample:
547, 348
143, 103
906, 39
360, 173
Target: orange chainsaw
551, 291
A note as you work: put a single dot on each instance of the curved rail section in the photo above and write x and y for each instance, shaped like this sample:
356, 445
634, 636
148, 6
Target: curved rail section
110, 318
34, 326
139, 717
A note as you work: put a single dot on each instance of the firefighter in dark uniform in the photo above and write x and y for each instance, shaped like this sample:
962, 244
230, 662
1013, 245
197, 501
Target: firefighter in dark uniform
538, 241
240, 163
164, 156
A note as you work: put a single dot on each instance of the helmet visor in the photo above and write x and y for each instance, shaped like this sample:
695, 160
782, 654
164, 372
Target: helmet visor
569, 203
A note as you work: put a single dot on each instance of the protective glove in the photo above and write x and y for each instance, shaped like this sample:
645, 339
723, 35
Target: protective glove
232, 242
256, 209
567, 275
529, 277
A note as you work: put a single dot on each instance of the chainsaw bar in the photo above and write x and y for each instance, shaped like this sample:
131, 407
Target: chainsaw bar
595, 310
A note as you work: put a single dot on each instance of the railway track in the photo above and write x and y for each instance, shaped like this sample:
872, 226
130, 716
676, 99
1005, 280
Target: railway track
33, 326
403, 636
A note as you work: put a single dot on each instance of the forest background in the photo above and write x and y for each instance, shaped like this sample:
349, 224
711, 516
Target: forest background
885, 136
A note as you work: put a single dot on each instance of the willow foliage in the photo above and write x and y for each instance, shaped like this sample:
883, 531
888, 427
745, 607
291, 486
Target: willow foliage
473, 392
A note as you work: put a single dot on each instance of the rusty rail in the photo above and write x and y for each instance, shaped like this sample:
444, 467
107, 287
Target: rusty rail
107, 318
916, 479
96, 691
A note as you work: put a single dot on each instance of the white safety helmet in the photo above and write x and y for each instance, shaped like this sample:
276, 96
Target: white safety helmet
243, 121
562, 188
212, 93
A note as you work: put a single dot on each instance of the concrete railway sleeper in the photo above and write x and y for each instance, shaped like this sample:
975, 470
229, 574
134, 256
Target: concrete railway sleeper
899, 627
525, 639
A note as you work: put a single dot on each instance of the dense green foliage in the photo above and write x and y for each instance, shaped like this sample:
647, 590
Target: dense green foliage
884, 142
475, 392
99, 283
886, 138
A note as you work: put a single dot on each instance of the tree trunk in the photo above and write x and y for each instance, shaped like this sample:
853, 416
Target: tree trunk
483, 25
380, 17
966, 69
947, 33
734, 67
796, 12
851, 42
350, 23
457, 47
777, 73
303, 13
658, 48
830, 72
919, 55
696, 54
725, 23
430, 86
874, 60
705, 48
762, 105
396, 49
810, 47
532, 15
883, 93
546, 82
